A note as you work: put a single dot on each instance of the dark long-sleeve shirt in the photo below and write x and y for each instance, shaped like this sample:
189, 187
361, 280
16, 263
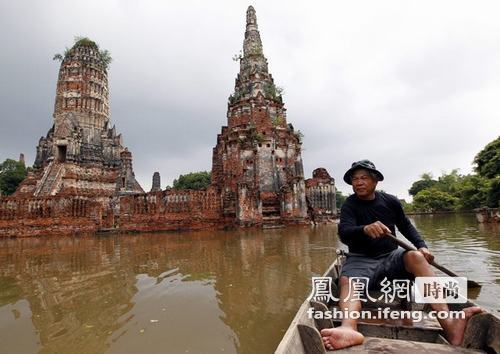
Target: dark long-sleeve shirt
386, 208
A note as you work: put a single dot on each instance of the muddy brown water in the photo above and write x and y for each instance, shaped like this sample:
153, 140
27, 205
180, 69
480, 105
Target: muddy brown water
192, 292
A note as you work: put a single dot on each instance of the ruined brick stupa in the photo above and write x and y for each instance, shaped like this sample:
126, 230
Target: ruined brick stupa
81, 154
257, 164
83, 181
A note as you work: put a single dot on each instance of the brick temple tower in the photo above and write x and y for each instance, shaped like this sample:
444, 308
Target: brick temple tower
321, 195
257, 164
82, 154
156, 187
81, 112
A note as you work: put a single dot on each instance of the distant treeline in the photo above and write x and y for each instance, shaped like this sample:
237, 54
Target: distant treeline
193, 180
453, 191
12, 173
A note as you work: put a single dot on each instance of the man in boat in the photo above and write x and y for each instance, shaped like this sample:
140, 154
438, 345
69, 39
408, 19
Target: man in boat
365, 218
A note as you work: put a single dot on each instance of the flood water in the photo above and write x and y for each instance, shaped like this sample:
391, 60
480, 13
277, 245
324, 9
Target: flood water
192, 292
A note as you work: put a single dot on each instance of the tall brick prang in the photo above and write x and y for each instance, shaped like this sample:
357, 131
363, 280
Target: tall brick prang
81, 154
257, 163
83, 179
81, 111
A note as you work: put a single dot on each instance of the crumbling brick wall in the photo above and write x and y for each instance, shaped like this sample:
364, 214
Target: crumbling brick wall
49, 216
171, 210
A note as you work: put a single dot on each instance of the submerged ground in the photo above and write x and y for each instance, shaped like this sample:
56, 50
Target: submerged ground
197, 292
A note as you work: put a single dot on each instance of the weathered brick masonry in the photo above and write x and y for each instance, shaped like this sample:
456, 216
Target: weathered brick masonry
57, 215
321, 196
257, 163
84, 181
171, 210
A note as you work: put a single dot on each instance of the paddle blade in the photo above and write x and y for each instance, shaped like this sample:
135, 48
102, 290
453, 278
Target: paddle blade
471, 284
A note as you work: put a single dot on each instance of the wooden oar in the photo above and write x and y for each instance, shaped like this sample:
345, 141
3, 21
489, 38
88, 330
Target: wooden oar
409, 247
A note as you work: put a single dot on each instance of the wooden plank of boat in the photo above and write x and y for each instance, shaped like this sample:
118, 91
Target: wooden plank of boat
428, 330
312, 344
482, 333
385, 345
291, 342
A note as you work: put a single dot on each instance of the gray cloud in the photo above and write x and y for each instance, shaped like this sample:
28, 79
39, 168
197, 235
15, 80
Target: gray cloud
414, 87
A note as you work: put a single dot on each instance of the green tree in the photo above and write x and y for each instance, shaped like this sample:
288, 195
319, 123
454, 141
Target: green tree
425, 182
493, 198
12, 173
473, 192
193, 180
449, 182
339, 199
434, 199
463, 192
407, 207
487, 161
103, 54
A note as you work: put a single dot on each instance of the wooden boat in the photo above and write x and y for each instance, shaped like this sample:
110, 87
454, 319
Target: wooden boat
389, 336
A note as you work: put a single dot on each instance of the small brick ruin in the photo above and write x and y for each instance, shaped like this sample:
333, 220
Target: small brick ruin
321, 196
257, 164
156, 185
83, 180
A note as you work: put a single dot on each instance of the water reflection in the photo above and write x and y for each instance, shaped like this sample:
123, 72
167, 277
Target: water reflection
469, 249
203, 292
191, 292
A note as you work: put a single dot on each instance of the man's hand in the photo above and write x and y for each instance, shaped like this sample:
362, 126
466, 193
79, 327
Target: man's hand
376, 230
427, 254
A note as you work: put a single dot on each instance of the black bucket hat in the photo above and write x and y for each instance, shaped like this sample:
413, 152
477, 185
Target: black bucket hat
367, 165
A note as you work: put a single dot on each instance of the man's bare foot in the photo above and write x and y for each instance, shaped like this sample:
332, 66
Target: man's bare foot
341, 337
455, 328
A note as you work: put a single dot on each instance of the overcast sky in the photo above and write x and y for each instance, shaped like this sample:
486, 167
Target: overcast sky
412, 85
